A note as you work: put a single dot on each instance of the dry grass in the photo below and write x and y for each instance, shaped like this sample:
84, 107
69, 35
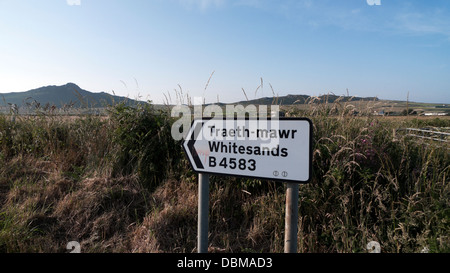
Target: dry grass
62, 180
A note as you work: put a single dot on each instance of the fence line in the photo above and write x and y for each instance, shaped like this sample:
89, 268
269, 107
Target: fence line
425, 133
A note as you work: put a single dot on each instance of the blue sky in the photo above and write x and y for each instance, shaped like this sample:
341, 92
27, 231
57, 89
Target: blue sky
149, 48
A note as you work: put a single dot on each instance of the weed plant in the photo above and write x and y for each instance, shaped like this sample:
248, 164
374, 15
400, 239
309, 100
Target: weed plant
143, 143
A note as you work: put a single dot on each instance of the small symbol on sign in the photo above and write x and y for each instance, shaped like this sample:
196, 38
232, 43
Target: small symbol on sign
74, 246
284, 174
276, 173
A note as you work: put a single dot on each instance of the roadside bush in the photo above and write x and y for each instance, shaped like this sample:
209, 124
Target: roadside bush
369, 184
144, 143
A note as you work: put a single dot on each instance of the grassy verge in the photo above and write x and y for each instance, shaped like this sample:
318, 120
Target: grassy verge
121, 184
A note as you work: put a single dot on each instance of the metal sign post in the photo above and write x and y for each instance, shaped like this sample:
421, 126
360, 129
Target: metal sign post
273, 149
291, 220
203, 211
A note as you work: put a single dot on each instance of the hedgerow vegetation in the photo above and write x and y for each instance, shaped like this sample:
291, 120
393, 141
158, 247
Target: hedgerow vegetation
120, 183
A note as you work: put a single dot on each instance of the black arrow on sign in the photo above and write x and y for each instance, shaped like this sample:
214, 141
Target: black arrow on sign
191, 143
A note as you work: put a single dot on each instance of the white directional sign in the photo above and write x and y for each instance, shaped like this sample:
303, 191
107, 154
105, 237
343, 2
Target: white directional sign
275, 149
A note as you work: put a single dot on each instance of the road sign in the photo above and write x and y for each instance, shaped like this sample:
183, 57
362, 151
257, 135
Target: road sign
275, 149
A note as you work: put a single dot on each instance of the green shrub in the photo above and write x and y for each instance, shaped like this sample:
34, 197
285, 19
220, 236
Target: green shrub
144, 143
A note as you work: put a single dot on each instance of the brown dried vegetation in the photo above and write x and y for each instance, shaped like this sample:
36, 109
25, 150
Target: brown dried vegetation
89, 179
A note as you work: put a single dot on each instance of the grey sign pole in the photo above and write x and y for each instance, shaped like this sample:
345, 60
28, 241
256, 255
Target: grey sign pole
290, 236
293, 166
203, 212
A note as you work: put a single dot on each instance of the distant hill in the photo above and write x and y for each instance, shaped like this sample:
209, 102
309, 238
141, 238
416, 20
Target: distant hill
72, 95
301, 99
69, 94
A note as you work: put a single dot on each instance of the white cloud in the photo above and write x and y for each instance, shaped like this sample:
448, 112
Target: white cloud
202, 4
434, 22
249, 3
73, 2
